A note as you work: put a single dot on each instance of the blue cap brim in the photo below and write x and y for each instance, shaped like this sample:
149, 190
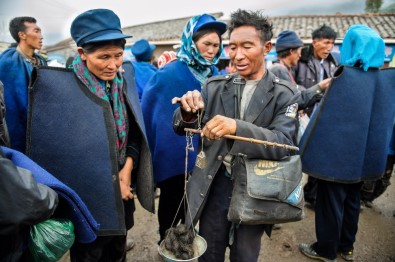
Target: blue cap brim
217, 25
108, 37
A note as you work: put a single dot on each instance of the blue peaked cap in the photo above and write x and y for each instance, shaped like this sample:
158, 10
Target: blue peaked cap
96, 25
208, 21
143, 50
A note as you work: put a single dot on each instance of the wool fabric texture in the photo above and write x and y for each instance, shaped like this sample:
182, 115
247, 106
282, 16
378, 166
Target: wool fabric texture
96, 25
364, 45
287, 40
115, 95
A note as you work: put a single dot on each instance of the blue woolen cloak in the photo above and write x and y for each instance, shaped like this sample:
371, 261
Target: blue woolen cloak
15, 73
348, 135
143, 72
168, 148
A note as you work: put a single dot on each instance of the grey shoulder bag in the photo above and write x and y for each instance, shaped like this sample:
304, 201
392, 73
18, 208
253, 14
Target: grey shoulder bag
269, 192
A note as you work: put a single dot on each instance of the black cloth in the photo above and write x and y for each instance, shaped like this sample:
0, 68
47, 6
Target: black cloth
310, 191
171, 193
4, 137
373, 189
23, 203
337, 207
103, 249
214, 227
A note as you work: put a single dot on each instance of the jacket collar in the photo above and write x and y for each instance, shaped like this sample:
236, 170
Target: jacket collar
261, 97
307, 52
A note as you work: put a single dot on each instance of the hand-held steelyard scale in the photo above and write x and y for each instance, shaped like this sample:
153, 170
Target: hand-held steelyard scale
199, 245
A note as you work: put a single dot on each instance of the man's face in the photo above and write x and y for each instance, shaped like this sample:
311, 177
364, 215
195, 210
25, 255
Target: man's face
32, 36
294, 56
247, 52
322, 47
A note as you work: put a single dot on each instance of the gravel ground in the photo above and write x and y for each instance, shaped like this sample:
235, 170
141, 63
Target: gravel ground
375, 238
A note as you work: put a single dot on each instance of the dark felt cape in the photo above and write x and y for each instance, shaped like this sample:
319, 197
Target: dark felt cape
67, 125
71, 205
348, 135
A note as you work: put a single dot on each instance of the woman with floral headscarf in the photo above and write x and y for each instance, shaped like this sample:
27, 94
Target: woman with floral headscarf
201, 47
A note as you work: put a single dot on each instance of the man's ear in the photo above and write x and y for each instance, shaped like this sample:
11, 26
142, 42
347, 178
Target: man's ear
314, 42
267, 47
22, 35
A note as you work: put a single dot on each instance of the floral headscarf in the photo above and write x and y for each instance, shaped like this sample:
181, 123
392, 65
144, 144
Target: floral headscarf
190, 55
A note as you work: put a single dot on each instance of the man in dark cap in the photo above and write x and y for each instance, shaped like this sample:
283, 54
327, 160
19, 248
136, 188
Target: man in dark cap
143, 52
289, 47
16, 64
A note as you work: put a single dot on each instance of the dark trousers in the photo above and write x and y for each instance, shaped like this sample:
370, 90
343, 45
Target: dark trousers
336, 217
373, 189
171, 194
310, 190
103, 249
215, 228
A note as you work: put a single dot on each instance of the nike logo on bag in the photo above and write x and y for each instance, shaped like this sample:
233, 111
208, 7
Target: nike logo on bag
261, 172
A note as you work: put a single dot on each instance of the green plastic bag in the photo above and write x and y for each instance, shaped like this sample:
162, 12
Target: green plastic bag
51, 239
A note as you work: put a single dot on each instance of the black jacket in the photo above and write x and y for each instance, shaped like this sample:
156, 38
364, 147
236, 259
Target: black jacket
23, 203
267, 118
4, 138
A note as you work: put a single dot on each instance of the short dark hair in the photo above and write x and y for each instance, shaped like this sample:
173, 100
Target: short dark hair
285, 53
92, 47
17, 25
252, 18
324, 32
198, 34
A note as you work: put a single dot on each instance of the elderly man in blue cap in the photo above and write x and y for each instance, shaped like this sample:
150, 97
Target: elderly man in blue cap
143, 52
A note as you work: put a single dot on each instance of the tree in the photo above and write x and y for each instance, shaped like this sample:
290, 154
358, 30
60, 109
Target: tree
388, 9
373, 6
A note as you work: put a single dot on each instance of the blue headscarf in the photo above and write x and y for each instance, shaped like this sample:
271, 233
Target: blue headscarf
190, 55
364, 45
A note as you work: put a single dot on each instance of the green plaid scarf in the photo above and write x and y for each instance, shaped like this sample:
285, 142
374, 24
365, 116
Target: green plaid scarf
98, 87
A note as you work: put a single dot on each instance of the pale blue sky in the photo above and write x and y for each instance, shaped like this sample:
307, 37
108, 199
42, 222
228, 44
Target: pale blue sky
55, 16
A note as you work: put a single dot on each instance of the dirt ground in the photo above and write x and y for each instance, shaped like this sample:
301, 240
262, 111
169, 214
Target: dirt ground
375, 238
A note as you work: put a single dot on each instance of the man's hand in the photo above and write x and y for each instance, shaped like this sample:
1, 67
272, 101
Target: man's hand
190, 102
324, 83
219, 126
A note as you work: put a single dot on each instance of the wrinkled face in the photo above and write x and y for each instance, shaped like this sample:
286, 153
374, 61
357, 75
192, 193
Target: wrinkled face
247, 52
208, 45
104, 62
294, 56
322, 47
32, 35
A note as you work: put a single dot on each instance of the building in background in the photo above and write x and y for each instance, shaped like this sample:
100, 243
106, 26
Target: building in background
165, 34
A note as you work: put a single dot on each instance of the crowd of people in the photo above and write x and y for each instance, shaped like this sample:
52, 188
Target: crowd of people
112, 130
